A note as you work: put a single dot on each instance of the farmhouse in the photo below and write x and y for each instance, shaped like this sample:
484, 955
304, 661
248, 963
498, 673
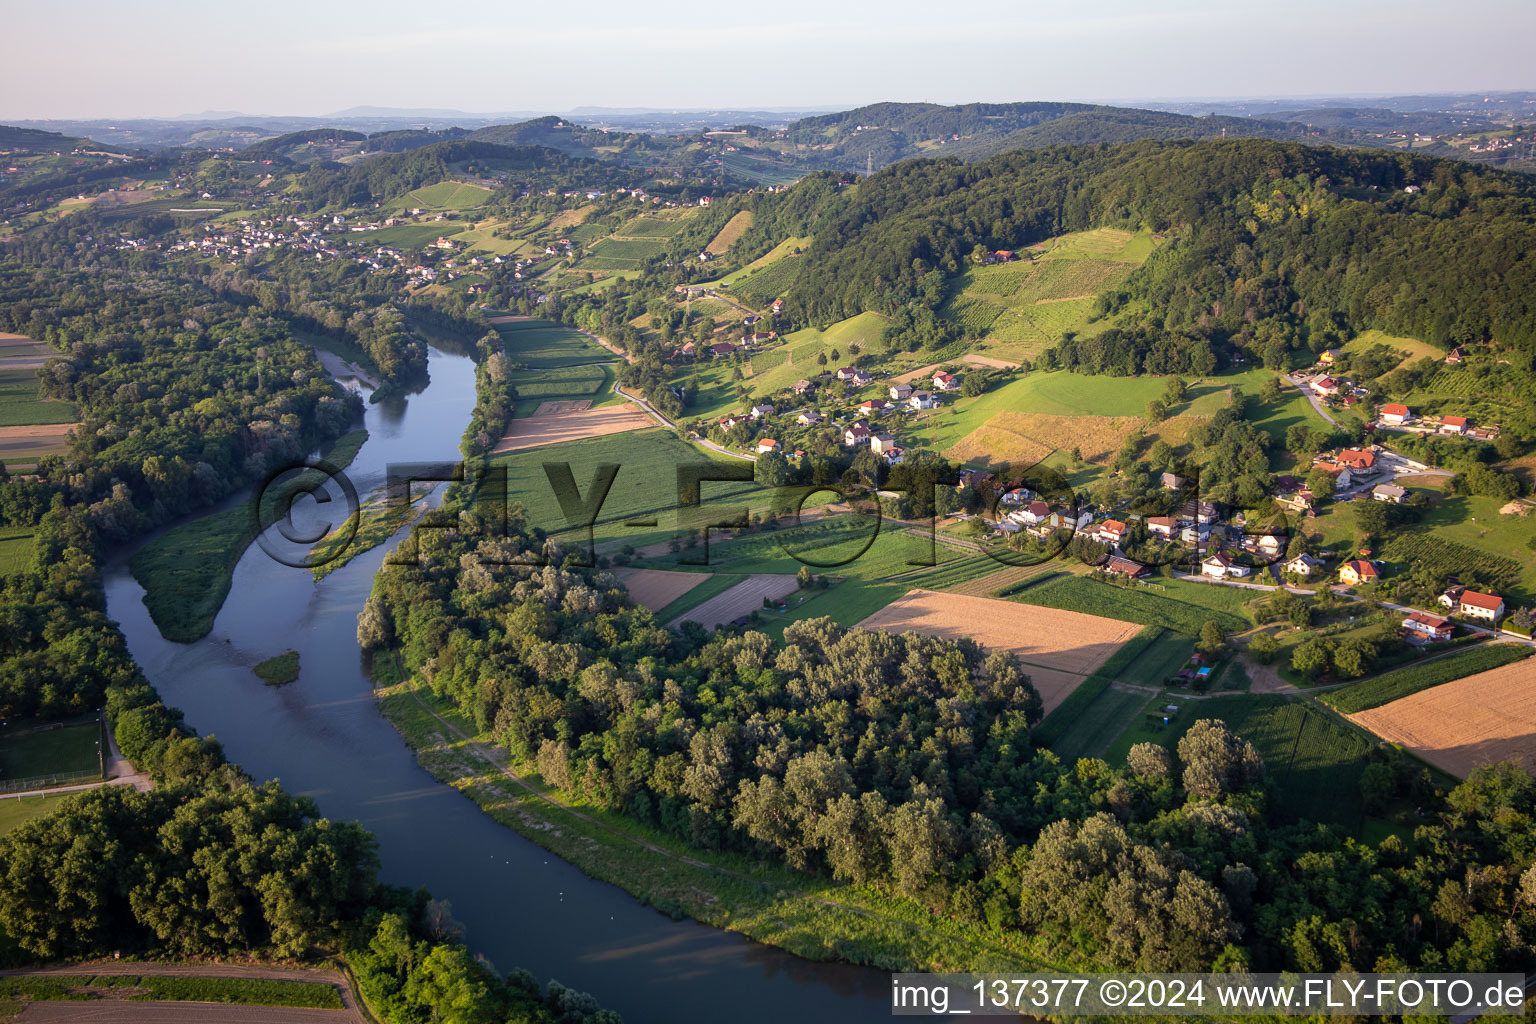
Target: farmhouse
1220, 565
1325, 385
946, 382
1126, 567
922, 400
1426, 627
1358, 571
1173, 481
1303, 565
766, 445
1473, 604
1395, 415
1110, 531
760, 337
1390, 492
1456, 425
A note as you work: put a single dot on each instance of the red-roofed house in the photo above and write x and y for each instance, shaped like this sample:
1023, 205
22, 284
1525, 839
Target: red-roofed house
1110, 531
1453, 425
1356, 459
1428, 627
1126, 567
1395, 415
946, 381
1162, 526
1325, 386
1481, 606
1358, 571
767, 444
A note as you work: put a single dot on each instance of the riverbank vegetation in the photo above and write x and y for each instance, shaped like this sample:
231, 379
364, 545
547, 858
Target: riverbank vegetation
906, 765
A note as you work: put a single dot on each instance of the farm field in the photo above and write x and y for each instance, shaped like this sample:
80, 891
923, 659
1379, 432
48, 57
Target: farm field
1059, 648
1411, 348
652, 226
728, 235
742, 599
645, 486
1476, 523
847, 602
1313, 762
805, 345
413, 237
554, 422
709, 585
1176, 605
778, 252
445, 195
657, 588
1472, 721
767, 283
589, 382
1401, 682
1095, 728
541, 345
21, 403
15, 548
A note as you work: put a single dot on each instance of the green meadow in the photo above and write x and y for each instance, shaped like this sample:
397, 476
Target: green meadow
541, 345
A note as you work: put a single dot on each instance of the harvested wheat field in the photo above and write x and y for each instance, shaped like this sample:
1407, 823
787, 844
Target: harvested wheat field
657, 588
1060, 648
912, 376
18, 352
989, 362
28, 444
1469, 722
1029, 437
552, 427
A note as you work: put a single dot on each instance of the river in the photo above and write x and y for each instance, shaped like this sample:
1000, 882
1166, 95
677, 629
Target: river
324, 737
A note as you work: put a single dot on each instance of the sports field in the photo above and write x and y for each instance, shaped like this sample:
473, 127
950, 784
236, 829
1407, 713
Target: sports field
42, 750
1457, 726
1059, 648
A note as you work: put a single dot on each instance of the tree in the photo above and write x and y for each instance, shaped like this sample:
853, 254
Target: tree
1150, 761
1311, 657
772, 469
1213, 639
1217, 763
1157, 411
1321, 483
1264, 647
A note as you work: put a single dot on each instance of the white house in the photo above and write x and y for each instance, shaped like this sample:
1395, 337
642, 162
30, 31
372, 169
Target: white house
759, 411
1220, 566
922, 400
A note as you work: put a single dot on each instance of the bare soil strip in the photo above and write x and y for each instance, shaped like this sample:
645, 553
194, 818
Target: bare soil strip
33, 442
1060, 647
657, 588
742, 599
1478, 720
912, 375
989, 362
537, 430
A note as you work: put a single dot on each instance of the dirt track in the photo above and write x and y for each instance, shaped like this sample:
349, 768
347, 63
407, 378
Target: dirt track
742, 599
553, 428
1059, 648
1477, 720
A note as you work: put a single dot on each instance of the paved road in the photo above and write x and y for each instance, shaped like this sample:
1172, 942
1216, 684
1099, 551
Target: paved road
1311, 396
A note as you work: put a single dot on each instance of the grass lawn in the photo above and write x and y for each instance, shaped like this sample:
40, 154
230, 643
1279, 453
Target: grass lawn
30, 751
186, 571
15, 549
15, 810
1173, 604
592, 381
1476, 523
540, 344
1165, 656
1411, 348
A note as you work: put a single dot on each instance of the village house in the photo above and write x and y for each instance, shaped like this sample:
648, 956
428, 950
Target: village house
1173, 481
874, 405
1325, 386
1362, 462
1473, 604
1342, 475
1394, 415
1390, 492
1016, 496
777, 307
856, 435
1330, 356
766, 445
901, 392
722, 350
1357, 572
1162, 526
1110, 531
1034, 513
808, 418
946, 382
730, 421
804, 387
1220, 565
1427, 628
1455, 356
893, 455
881, 443
1456, 425
1303, 565
1267, 544
1129, 568
919, 400
759, 411
761, 337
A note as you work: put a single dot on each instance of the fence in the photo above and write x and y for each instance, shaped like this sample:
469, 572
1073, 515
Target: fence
49, 781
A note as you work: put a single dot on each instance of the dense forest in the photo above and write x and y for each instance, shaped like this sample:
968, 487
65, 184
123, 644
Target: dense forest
906, 762
1271, 246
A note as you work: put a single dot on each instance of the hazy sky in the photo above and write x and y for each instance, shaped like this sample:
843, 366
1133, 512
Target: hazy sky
94, 58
